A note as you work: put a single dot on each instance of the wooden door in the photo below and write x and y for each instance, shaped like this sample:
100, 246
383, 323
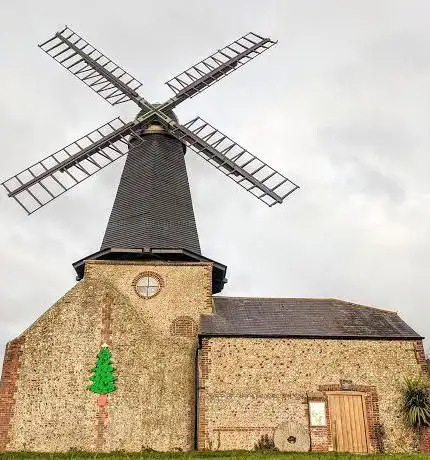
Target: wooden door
348, 422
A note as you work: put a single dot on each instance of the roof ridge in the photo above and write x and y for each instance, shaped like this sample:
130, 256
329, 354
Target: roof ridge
268, 297
325, 299
388, 310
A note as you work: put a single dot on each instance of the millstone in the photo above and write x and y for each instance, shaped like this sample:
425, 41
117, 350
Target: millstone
291, 436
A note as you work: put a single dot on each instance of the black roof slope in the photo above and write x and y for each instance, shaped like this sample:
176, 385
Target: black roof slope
328, 318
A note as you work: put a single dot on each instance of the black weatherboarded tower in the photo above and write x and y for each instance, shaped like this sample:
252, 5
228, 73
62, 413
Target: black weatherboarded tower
153, 205
152, 216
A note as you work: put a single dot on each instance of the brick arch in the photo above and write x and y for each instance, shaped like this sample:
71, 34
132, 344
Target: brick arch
184, 326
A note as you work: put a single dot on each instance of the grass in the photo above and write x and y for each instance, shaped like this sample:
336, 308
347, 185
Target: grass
239, 455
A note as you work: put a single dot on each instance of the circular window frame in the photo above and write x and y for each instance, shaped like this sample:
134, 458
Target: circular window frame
148, 274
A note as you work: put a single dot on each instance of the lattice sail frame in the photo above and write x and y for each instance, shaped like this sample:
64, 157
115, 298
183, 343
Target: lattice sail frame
93, 68
218, 65
244, 168
41, 183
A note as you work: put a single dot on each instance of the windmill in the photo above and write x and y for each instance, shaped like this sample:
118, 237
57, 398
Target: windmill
152, 212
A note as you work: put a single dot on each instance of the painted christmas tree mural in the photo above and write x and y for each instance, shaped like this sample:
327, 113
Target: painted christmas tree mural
103, 378
103, 384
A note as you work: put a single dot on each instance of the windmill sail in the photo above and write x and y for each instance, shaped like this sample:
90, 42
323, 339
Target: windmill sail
41, 183
234, 161
208, 71
97, 71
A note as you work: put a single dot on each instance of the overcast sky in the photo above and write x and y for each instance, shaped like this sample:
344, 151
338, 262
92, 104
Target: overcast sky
341, 105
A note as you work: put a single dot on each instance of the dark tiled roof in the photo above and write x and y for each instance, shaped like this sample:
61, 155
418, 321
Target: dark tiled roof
153, 207
330, 318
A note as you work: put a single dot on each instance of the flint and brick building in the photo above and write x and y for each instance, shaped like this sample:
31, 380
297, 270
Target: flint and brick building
201, 371
196, 370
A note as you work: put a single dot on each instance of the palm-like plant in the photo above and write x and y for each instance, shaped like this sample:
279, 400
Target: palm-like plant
416, 402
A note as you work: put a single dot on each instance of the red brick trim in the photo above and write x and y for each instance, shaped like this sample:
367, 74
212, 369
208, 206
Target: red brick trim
372, 414
209, 299
107, 320
8, 385
420, 356
425, 439
320, 435
201, 427
204, 363
102, 416
184, 326
246, 428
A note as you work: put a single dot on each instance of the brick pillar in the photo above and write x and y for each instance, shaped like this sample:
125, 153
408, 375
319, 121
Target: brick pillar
8, 387
425, 439
420, 356
102, 400
204, 362
102, 417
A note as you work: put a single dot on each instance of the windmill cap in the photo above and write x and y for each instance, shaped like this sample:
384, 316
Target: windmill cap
151, 126
168, 112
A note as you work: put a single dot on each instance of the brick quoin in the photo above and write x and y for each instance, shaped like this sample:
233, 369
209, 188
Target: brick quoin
8, 383
203, 375
420, 356
425, 440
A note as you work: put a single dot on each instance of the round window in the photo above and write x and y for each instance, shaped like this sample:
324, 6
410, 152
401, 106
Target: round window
147, 285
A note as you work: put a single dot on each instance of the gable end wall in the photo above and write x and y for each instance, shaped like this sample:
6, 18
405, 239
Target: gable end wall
46, 375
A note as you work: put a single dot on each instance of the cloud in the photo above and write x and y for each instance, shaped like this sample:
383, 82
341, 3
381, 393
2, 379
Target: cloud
340, 105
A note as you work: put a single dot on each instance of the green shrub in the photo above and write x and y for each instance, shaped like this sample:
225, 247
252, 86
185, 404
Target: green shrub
416, 402
265, 443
